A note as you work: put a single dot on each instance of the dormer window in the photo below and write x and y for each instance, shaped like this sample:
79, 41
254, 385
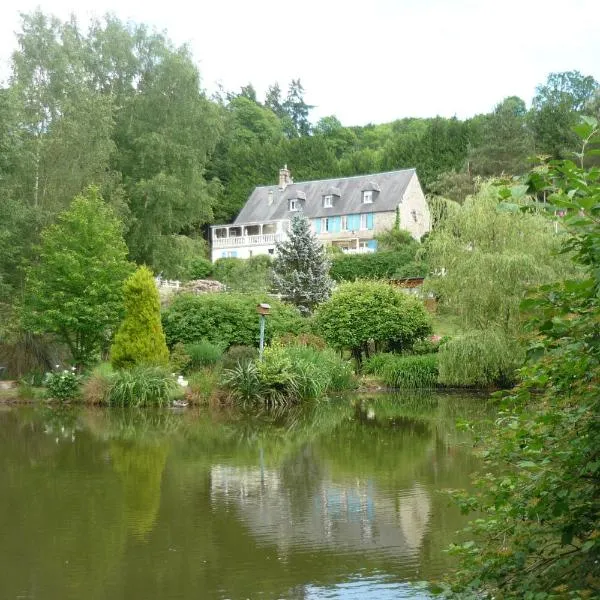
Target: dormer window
294, 204
328, 201
367, 197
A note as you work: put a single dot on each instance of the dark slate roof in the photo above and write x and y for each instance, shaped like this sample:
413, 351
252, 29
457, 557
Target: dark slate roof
392, 186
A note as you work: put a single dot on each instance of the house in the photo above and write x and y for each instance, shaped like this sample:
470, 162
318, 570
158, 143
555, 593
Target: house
347, 212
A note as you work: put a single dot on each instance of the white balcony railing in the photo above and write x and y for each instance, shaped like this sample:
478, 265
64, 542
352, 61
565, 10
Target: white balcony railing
248, 240
358, 250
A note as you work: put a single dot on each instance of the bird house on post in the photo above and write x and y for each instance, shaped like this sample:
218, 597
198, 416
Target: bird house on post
263, 309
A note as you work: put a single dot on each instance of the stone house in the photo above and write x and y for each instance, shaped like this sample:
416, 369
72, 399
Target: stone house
348, 212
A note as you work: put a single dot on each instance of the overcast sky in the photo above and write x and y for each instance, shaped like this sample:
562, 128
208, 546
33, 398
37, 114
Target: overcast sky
368, 61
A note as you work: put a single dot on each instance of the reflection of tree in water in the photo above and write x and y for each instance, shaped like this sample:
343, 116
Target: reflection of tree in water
140, 467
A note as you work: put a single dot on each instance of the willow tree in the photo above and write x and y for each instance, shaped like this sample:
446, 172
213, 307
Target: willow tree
487, 253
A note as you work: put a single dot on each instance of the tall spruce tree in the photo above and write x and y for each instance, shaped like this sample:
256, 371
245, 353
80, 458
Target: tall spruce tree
301, 268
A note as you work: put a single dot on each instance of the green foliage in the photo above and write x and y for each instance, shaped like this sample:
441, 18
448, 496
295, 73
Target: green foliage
143, 386
200, 268
483, 257
238, 354
74, 290
365, 311
289, 374
179, 359
248, 275
537, 529
378, 265
140, 338
226, 319
399, 371
480, 359
97, 384
204, 387
395, 240
301, 268
203, 354
62, 385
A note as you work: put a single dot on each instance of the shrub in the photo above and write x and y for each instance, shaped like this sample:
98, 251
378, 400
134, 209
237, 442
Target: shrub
203, 354
375, 365
244, 275
238, 354
96, 387
179, 358
302, 339
227, 319
143, 386
289, 374
204, 387
411, 371
378, 265
428, 345
62, 385
479, 358
140, 338
200, 268
365, 311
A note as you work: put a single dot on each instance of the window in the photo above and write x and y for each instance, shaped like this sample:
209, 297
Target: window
367, 197
344, 225
327, 201
325, 225
414, 215
363, 221
294, 204
271, 250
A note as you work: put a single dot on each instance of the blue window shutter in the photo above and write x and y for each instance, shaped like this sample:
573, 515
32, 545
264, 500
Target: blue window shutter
234, 254
353, 222
337, 223
372, 244
223, 254
317, 224
370, 221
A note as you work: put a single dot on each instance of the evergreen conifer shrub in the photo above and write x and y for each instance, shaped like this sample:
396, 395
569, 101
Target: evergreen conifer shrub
140, 338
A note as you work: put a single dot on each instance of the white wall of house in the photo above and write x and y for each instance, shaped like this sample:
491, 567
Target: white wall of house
414, 211
241, 251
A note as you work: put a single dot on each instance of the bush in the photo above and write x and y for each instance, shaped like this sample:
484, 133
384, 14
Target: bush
378, 265
302, 339
62, 385
412, 371
362, 312
203, 354
289, 374
199, 268
227, 319
140, 338
143, 386
204, 387
238, 355
244, 275
179, 359
398, 371
479, 358
96, 387
428, 345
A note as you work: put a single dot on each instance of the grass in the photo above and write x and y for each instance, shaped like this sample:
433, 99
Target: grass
446, 325
143, 386
398, 371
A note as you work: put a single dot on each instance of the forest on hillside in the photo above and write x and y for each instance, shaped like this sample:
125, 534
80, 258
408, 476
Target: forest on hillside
118, 106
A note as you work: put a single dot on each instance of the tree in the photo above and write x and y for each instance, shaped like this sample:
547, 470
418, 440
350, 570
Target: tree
365, 311
297, 109
485, 254
140, 339
74, 290
507, 141
301, 268
536, 532
556, 108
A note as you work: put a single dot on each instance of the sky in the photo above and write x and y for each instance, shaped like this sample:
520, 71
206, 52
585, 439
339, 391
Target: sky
364, 61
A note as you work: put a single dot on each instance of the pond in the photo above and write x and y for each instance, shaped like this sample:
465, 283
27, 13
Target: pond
337, 500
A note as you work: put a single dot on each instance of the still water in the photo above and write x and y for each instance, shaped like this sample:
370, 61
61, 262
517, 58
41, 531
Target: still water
338, 500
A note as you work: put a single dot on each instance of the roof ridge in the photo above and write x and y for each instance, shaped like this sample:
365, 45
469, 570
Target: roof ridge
275, 185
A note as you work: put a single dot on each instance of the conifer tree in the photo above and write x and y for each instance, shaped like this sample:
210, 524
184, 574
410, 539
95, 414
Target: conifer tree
301, 268
140, 338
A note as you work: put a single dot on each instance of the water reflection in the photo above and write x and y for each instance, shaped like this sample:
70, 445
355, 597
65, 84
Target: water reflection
335, 500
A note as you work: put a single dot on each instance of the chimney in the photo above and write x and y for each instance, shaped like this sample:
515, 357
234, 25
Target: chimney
284, 178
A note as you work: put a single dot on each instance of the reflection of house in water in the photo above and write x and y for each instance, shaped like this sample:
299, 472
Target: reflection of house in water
354, 516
